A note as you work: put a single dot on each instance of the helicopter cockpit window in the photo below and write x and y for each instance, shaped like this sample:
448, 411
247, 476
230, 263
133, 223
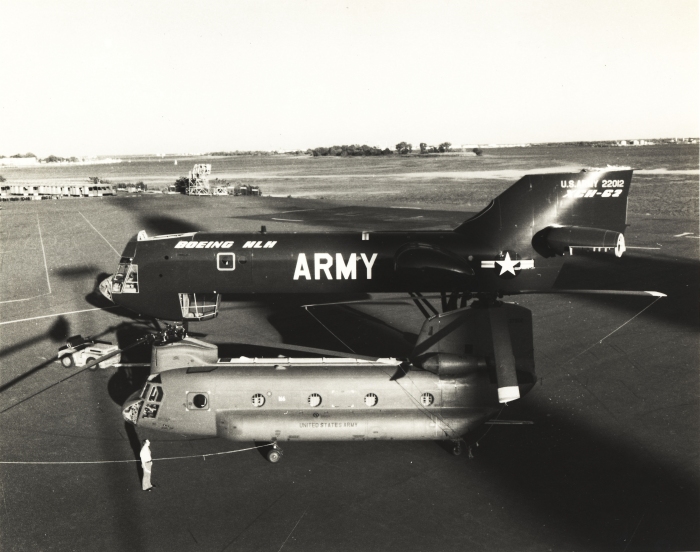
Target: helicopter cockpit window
123, 267
153, 395
126, 280
156, 394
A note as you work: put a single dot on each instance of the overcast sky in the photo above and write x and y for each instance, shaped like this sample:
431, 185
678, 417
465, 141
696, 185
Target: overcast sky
125, 77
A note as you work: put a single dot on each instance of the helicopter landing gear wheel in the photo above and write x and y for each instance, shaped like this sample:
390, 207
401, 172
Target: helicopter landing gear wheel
274, 455
67, 361
457, 447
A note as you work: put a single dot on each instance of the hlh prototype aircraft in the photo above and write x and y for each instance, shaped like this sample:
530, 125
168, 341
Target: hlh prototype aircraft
515, 244
468, 360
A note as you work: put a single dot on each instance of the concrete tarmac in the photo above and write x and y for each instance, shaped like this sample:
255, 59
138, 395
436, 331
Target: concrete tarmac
610, 463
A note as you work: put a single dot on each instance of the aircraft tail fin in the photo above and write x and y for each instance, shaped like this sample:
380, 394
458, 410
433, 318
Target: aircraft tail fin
557, 211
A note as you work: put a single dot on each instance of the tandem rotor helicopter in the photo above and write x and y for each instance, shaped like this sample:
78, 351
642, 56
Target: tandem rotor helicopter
469, 360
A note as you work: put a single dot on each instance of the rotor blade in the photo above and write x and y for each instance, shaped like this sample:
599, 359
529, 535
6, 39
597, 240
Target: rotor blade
406, 301
519, 292
587, 292
118, 351
301, 348
506, 376
42, 390
86, 367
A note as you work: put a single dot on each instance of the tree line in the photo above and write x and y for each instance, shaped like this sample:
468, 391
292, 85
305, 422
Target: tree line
49, 159
402, 148
18, 156
442, 148
353, 150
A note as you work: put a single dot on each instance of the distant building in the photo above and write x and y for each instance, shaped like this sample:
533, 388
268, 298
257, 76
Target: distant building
18, 161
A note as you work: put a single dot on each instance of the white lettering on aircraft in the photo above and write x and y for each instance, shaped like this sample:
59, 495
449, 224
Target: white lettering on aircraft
302, 268
315, 425
589, 188
259, 245
204, 245
323, 263
593, 193
345, 271
591, 183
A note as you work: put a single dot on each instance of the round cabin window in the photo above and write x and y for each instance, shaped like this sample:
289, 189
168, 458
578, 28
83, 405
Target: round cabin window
258, 400
371, 399
199, 401
314, 400
426, 399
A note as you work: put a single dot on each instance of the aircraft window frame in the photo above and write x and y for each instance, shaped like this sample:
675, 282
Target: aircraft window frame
198, 398
150, 410
314, 396
192, 396
226, 268
258, 400
155, 394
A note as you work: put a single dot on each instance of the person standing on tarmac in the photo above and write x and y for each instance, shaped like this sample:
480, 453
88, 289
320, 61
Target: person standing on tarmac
146, 464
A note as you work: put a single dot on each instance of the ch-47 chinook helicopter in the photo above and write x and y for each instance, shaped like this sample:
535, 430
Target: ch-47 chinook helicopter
468, 360
461, 367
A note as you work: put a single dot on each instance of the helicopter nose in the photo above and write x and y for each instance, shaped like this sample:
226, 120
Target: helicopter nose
131, 408
106, 288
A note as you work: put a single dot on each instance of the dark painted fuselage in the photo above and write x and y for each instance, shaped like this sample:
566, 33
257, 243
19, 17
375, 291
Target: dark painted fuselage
514, 244
307, 263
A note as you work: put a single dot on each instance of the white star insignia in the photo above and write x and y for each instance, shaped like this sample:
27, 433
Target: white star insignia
507, 265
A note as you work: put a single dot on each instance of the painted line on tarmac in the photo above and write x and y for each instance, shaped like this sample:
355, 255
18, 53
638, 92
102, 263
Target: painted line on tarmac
96, 230
53, 315
132, 461
43, 252
25, 299
295, 211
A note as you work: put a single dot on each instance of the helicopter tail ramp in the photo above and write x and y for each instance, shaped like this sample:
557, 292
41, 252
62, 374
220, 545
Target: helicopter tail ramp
557, 213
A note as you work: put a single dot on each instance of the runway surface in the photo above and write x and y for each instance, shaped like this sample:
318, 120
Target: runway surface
610, 463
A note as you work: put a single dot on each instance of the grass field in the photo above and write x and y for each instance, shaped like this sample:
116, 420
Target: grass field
665, 181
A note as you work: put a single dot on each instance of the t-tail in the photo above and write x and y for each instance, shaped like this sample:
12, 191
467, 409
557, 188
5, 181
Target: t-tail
556, 214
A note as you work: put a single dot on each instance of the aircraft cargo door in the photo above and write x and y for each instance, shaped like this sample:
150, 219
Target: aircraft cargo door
234, 271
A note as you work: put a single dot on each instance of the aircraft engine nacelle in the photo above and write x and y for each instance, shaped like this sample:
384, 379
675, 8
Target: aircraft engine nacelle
447, 365
183, 354
560, 240
496, 337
